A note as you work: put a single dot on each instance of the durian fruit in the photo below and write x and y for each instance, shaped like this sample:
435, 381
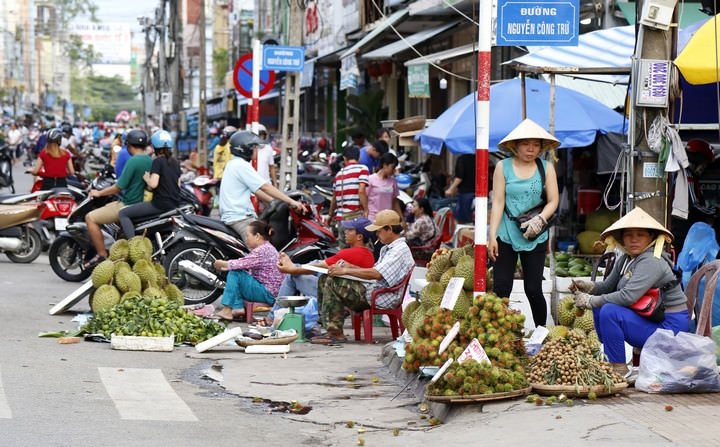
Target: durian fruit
145, 271
445, 278
463, 304
140, 248
130, 294
159, 270
593, 339
585, 321
456, 254
154, 292
102, 273
465, 268
119, 251
438, 267
104, 297
126, 281
567, 311
408, 311
557, 332
122, 265
431, 295
418, 319
577, 332
174, 294
469, 250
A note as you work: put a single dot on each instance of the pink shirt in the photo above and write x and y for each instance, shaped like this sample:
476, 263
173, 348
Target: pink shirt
381, 192
261, 263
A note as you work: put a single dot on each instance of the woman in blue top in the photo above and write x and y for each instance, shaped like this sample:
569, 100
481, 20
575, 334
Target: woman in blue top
517, 187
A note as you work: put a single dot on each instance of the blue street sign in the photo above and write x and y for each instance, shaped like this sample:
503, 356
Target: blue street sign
282, 58
546, 22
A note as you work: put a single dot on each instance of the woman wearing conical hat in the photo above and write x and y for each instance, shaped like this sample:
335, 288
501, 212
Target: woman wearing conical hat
518, 187
644, 265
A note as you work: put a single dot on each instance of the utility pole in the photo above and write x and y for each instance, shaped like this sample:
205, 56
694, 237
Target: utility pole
291, 108
146, 88
175, 92
648, 187
162, 85
202, 140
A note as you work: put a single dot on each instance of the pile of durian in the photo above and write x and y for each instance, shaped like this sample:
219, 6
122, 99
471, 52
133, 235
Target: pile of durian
570, 318
130, 272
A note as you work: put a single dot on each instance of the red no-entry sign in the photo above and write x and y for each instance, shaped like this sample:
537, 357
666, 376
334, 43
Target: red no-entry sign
242, 77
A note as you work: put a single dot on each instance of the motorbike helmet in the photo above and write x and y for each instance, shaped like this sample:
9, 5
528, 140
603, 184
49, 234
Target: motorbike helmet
403, 181
699, 151
243, 143
228, 131
137, 138
54, 135
66, 129
162, 140
262, 129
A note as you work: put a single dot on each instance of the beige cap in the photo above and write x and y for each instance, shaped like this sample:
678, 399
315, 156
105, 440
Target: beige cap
529, 129
637, 218
383, 219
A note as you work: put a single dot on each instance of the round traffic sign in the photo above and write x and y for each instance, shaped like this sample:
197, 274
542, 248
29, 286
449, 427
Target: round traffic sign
242, 77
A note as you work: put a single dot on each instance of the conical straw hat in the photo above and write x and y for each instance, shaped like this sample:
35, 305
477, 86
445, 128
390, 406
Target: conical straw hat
529, 129
637, 218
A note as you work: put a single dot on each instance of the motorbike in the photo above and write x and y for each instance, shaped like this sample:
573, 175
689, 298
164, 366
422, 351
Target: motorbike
204, 188
201, 241
19, 236
6, 163
72, 248
95, 157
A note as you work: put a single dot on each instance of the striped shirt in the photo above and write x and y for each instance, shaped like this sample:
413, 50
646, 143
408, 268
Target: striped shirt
261, 263
347, 188
394, 264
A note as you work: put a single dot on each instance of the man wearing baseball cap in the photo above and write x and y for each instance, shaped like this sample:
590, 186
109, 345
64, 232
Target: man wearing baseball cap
335, 293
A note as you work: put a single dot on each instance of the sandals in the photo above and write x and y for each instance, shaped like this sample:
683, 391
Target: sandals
327, 339
92, 263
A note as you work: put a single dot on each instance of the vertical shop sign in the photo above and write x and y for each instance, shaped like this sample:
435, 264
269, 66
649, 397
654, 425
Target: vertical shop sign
419, 81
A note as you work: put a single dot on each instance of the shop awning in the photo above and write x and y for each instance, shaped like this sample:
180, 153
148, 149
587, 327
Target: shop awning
389, 21
688, 13
392, 49
445, 55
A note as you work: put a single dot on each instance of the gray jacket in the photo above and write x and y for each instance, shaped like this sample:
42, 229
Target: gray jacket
626, 284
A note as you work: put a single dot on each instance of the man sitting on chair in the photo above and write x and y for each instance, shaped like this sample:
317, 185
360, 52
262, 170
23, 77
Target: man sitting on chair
393, 265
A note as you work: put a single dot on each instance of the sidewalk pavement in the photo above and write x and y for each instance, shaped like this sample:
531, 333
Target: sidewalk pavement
317, 376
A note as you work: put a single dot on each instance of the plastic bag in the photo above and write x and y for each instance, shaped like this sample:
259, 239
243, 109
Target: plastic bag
310, 310
700, 246
716, 338
682, 363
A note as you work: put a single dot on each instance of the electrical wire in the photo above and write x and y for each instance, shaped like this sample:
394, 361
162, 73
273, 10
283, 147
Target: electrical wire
412, 47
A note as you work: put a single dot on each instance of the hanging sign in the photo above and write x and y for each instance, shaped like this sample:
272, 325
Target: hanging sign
550, 22
418, 81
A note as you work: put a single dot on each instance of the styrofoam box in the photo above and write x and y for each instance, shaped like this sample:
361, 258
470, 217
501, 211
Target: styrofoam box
134, 343
563, 283
518, 301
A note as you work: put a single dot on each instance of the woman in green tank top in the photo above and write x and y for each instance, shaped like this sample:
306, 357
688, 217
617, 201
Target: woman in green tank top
518, 187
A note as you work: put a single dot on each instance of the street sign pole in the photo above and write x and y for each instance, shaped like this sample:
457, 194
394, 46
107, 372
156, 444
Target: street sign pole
482, 141
254, 109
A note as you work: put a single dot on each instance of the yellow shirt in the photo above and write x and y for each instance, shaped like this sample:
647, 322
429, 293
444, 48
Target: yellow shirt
221, 156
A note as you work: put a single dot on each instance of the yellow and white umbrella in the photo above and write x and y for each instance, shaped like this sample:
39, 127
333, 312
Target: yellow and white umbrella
699, 61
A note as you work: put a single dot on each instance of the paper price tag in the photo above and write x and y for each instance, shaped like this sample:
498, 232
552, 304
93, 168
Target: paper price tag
452, 292
474, 351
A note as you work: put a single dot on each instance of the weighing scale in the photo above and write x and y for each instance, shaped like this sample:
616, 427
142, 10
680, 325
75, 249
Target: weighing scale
291, 320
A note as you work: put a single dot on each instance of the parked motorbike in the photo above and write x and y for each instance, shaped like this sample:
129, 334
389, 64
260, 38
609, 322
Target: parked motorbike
6, 163
191, 254
72, 248
19, 236
204, 188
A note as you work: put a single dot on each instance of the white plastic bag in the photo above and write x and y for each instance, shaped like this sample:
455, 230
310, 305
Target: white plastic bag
682, 363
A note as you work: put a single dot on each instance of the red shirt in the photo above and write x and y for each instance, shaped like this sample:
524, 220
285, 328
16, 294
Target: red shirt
55, 167
357, 256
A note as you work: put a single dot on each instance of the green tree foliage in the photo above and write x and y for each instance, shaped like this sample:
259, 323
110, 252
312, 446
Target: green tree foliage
365, 112
221, 65
106, 96
69, 9
79, 53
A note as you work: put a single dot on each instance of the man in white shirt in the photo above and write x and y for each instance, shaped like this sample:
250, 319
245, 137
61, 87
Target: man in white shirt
266, 158
14, 138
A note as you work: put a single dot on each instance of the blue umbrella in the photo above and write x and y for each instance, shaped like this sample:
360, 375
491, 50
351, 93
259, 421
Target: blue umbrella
577, 117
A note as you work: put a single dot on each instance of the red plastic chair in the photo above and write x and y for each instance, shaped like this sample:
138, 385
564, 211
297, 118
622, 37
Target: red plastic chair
250, 308
364, 319
703, 317
423, 253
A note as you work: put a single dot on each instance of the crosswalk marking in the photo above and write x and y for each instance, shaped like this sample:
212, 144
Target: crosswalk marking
144, 394
5, 412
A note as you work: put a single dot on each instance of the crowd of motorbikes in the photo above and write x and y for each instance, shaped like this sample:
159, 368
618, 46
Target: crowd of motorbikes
186, 240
